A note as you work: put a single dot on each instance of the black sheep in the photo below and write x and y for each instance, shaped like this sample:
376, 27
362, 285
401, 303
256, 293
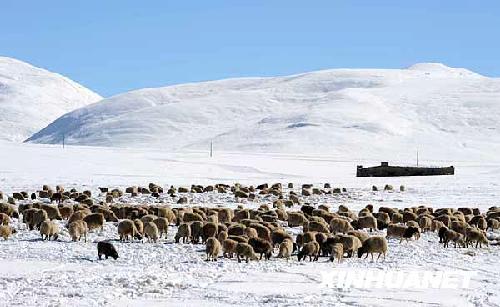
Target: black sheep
107, 249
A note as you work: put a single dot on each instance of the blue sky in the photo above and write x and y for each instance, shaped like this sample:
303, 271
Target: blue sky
116, 46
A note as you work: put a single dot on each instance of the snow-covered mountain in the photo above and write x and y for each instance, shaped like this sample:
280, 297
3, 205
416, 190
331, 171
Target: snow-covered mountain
31, 98
447, 113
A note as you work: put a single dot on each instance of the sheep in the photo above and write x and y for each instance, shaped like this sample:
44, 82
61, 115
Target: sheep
318, 226
196, 231
6, 231
493, 224
148, 218
213, 248
245, 250
251, 232
162, 224
225, 215
184, 232
209, 230
373, 245
310, 249
425, 223
436, 225
52, 212
236, 230
350, 243
4, 219
39, 217
94, 221
78, 215
66, 211
76, 229
139, 225
279, 235
397, 218
239, 239
262, 231
396, 230
366, 222
222, 236
167, 213
107, 249
48, 230
151, 232
409, 233
459, 226
262, 247
285, 249
229, 248
362, 236
452, 235
296, 219
337, 251
339, 225
476, 235
127, 227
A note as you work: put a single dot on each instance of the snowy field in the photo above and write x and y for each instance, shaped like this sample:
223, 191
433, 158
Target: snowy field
63, 273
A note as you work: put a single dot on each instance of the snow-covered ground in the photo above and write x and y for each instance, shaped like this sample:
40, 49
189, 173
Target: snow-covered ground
64, 273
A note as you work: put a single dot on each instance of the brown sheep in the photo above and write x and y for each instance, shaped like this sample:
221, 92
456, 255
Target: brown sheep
229, 248
340, 225
162, 224
148, 218
397, 218
209, 230
52, 212
139, 225
196, 231
66, 211
127, 227
39, 217
77, 229
222, 236
337, 251
368, 221
451, 235
286, 248
245, 250
262, 231
48, 230
396, 231
6, 231
4, 219
251, 232
425, 223
167, 213
262, 247
225, 215
279, 235
151, 232
94, 221
296, 219
318, 226
373, 245
236, 230
213, 248
184, 232
310, 249
351, 244
361, 235
239, 239
78, 215
476, 235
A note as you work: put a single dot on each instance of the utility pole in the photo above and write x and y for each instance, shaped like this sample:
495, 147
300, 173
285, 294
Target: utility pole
211, 149
63, 140
417, 157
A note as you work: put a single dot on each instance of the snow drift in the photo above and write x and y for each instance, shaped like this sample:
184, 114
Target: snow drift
447, 113
31, 98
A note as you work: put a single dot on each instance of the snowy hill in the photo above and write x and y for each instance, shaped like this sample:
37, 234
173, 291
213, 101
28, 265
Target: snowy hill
447, 113
31, 98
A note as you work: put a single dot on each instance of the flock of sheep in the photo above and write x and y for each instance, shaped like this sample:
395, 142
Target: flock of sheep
247, 234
